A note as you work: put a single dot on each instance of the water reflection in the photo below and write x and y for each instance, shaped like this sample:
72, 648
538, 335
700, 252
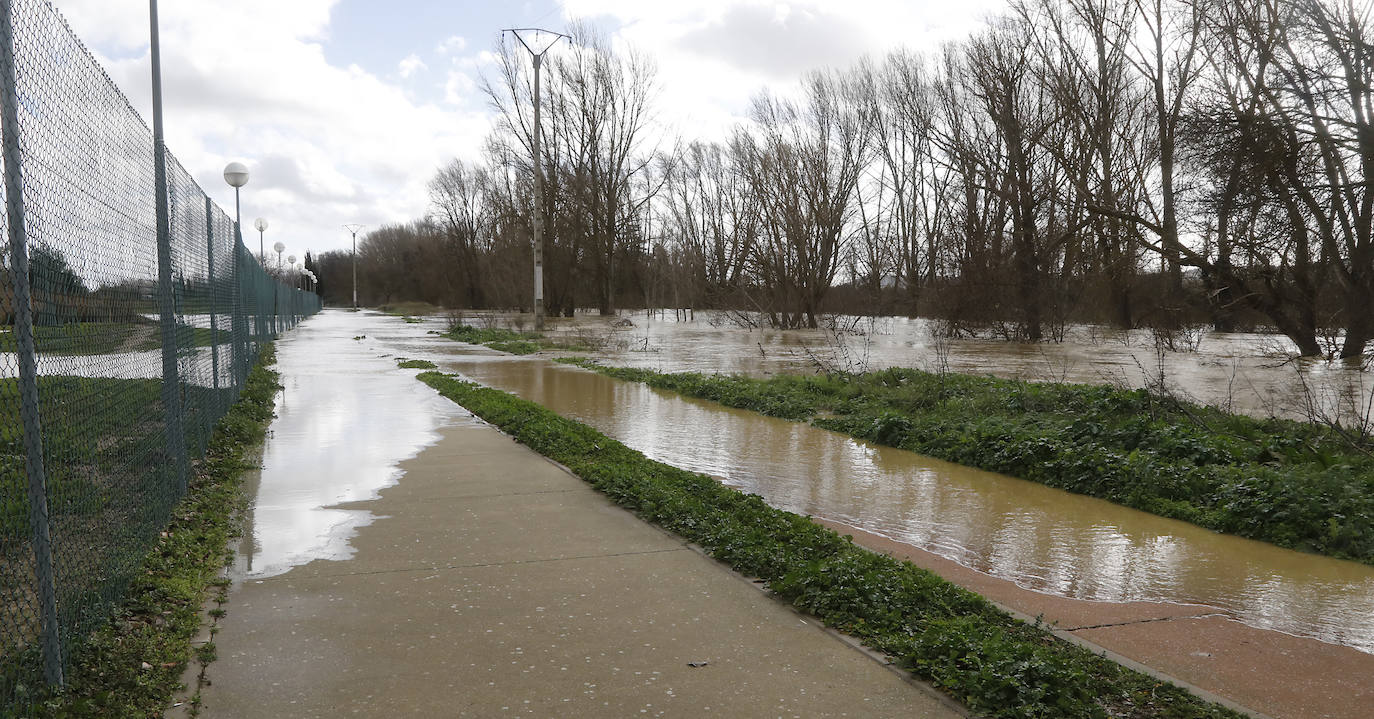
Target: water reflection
346, 417
1041, 538
1244, 372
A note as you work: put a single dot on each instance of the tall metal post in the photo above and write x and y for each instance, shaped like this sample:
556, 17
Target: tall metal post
28, 365
240, 310
210, 284
353, 230
171, 382
538, 209
538, 172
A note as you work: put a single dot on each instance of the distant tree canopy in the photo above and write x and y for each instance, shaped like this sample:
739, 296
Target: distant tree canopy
58, 291
1126, 161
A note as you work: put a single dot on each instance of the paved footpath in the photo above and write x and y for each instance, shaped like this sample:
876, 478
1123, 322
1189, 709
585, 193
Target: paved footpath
495, 584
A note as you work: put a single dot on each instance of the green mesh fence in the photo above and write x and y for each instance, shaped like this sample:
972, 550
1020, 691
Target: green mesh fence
81, 242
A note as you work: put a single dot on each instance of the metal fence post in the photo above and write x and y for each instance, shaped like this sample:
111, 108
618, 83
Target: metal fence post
210, 285
28, 365
171, 381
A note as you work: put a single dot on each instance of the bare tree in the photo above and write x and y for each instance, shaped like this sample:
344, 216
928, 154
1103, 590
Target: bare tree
803, 163
910, 169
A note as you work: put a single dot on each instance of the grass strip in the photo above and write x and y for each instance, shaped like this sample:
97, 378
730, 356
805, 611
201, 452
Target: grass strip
98, 338
133, 664
996, 665
1293, 484
511, 341
415, 364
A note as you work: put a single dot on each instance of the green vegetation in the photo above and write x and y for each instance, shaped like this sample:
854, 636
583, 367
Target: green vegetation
133, 663
98, 338
415, 364
516, 343
126, 414
998, 666
1294, 484
409, 310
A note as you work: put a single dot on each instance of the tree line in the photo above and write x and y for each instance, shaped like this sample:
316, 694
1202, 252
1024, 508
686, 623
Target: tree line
1135, 162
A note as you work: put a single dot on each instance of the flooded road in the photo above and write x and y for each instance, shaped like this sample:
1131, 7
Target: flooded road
348, 416
1041, 538
345, 419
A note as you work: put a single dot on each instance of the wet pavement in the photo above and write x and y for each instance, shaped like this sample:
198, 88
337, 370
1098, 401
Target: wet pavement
410, 561
1164, 593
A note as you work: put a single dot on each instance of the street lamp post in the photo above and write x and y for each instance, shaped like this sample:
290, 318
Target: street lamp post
538, 173
261, 224
276, 293
353, 230
236, 175
291, 302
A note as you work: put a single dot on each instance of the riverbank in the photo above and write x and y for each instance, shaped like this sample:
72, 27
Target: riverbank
992, 662
135, 662
1295, 485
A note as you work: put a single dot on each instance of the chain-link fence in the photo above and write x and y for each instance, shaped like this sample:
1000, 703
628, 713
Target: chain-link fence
113, 370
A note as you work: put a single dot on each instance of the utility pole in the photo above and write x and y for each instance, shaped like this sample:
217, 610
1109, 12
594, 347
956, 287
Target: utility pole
353, 230
538, 55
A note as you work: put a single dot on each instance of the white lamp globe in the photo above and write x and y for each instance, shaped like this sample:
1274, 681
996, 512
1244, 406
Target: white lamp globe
278, 247
260, 224
236, 174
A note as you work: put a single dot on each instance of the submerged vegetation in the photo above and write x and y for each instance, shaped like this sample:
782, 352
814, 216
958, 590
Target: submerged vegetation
998, 666
510, 341
134, 662
1293, 484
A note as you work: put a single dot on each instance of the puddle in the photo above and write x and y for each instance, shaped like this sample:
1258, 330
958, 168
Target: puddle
346, 417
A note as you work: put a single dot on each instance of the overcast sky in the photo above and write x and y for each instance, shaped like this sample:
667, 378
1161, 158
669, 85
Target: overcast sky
343, 109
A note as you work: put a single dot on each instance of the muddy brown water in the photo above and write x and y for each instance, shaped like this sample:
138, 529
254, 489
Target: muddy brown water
347, 417
1252, 373
1043, 539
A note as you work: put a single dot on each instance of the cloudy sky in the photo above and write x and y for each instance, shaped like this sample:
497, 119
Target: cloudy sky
343, 109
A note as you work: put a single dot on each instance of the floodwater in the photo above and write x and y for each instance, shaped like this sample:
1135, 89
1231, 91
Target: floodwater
1250, 373
346, 418
1041, 538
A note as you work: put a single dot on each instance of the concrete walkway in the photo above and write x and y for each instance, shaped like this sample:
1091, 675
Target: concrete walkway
495, 584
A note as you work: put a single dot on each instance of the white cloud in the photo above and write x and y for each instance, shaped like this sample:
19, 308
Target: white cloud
715, 55
249, 81
329, 144
460, 89
411, 65
452, 45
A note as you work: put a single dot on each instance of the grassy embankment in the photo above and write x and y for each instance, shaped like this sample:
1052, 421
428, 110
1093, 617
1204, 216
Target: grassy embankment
409, 310
511, 341
98, 338
132, 663
996, 665
1293, 484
